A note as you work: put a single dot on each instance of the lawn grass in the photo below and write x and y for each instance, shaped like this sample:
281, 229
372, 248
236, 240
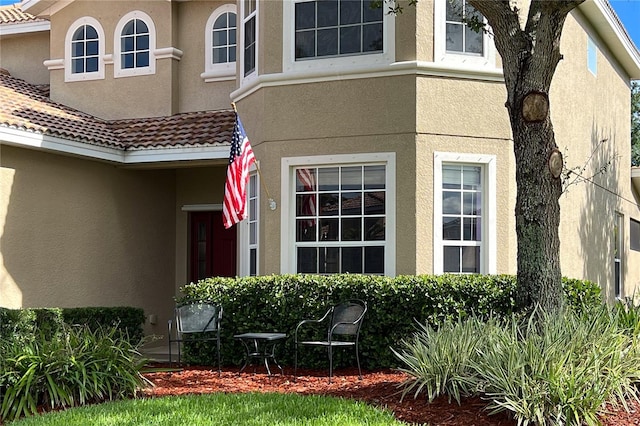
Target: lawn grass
220, 409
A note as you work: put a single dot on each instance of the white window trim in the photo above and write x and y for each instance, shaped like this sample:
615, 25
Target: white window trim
240, 19
244, 233
97, 75
336, 64
218, 72
287, 189
489, 244
440, 54
619, 246
129, 72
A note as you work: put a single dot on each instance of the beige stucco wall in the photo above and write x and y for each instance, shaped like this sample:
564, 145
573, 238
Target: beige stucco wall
587, 109
22, 55
83, 233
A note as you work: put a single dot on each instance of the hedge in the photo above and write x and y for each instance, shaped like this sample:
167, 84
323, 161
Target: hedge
277, 303
48, 321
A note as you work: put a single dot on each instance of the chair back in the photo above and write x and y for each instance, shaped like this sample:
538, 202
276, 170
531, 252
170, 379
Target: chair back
198, 317
350, 312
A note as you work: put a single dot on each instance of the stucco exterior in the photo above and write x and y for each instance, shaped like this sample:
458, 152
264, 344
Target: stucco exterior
112, 226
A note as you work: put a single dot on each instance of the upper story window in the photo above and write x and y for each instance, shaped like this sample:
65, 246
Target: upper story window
84, 50
592, 56
455, 41
250, 40
341, 217
340, 35
134, 45
220, 42
337, 27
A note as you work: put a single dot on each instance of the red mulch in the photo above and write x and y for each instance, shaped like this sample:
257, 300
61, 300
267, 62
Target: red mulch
379, 388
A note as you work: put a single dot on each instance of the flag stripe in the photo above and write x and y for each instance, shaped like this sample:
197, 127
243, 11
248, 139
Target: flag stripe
241, 158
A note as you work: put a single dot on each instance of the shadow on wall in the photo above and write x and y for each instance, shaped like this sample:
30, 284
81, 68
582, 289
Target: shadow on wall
597, 178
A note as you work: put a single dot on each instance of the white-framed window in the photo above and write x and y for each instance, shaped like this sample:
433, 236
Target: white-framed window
592, 56
249, 230
455, 42
339, 214
618, 254
336, 34
464, 213
634, 235
249, 37
84, 50
220, 44
134, 45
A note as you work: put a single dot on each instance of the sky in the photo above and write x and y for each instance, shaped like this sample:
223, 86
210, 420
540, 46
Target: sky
627, 10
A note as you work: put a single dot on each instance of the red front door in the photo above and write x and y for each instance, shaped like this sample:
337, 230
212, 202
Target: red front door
212, 249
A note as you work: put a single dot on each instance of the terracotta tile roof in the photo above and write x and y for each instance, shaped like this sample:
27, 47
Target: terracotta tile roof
26, 106
12, 14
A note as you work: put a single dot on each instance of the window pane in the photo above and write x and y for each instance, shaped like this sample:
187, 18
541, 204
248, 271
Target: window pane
327, 13
634, 234
305, 15
92, 48
327, 42
77, 49
92, 65
374, 228
232, 19
306, 205
374, 177
350, 39
372, 38
127, 60
220, 38
451, 178
253, 262
219, 55
471, 229
328, 179
351, 203
329, 230
141, 27
305, 180
77, 66
374, 260
329, 204
307, 260
351, 178
454, 37
374, 203
221, 22
91, 33
473, 41
232, 54
305, 44
352, 229
329, 260
352, 260
471, 259
350, 12
127, 44
371, 14
471, 179
78, 34
142, 42
454, 10
451, 202
305, 230
142, 59
451, 259
128, 28
451, 228
253, 233
472, 203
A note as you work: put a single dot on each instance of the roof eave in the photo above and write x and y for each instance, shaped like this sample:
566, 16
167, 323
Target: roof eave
604, 19
24, 27
43, 8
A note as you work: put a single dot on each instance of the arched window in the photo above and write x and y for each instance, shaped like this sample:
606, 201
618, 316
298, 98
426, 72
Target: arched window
220, 44
84, 50
134, 45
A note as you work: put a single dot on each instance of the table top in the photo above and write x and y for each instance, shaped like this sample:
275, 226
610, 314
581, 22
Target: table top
261, 336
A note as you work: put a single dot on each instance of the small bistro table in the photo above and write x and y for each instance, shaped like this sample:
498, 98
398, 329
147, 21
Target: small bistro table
260, 346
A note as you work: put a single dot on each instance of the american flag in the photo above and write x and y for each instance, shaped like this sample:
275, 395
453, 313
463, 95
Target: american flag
308, 180
235, 189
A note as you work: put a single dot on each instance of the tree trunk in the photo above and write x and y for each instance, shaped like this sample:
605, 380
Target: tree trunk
530, 56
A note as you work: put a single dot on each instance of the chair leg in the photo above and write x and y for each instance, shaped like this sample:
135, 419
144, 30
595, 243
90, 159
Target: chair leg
218, 346
295, 361
358, 361
330, 363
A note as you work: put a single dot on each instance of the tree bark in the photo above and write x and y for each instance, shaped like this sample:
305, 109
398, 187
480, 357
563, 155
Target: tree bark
530, 56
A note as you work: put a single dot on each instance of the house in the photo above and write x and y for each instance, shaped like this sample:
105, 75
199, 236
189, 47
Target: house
382, 141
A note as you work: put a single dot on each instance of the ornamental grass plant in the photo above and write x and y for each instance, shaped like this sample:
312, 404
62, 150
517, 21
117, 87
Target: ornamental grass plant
547, 369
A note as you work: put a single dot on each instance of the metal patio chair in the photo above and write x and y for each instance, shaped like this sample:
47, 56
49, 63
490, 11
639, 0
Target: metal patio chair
195, 322
343, 322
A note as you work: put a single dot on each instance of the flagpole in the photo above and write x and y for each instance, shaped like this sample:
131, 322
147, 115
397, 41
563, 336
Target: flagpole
272, 202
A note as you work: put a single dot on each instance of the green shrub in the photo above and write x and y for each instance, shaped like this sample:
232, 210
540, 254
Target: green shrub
559, 369
278, 302
128, 320
80, 366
